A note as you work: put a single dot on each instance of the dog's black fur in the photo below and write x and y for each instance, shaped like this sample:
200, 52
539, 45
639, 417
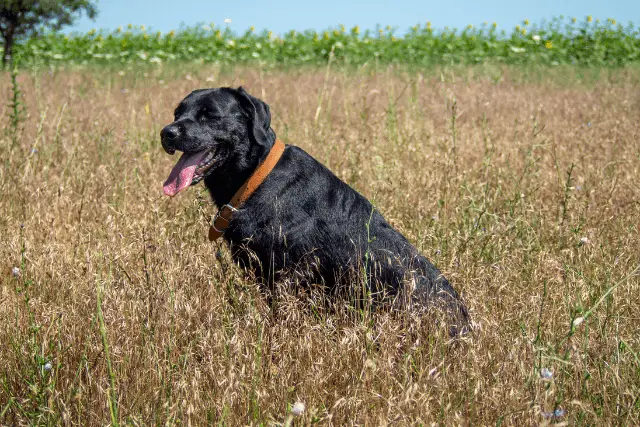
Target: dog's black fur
302, 218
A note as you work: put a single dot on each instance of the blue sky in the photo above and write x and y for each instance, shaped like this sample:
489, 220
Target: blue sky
283, 15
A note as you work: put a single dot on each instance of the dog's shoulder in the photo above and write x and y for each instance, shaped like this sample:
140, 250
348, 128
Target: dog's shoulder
298, 166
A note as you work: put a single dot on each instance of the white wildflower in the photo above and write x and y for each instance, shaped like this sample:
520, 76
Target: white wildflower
15, 271
227, 20
546, 373
536, 38
298, 409
577, 321
48, 366
517, 49
584, 240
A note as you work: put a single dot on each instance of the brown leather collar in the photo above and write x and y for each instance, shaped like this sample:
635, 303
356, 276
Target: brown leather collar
222, 219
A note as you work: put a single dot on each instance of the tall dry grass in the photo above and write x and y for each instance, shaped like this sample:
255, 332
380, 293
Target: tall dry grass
114, 309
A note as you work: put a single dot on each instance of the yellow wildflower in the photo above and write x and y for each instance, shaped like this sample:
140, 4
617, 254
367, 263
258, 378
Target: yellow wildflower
325, 35
171, 33
356, 30
589, 18
613, 21
494, 25
548, 44
252, 28
524, 31
526, 22
573, 20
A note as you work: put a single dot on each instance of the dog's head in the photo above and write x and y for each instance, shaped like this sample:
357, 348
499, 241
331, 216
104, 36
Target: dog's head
214, 129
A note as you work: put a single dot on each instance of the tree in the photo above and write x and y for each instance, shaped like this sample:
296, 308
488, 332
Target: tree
28, 18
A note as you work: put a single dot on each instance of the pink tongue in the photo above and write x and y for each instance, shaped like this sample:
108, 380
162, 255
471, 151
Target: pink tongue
182, 173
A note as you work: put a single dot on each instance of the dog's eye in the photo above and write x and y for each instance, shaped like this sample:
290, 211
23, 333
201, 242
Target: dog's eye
207, 114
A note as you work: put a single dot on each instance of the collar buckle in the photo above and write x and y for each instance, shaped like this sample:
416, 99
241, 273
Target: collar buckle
224, 216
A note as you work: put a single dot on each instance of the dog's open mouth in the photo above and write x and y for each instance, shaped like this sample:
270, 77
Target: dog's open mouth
190, 169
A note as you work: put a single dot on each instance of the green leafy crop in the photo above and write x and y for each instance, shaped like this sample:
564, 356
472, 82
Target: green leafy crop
559, 41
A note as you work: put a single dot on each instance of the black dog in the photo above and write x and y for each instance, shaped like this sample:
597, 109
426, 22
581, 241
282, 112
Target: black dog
302, 220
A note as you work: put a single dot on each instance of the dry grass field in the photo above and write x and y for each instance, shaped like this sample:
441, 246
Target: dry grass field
524, 191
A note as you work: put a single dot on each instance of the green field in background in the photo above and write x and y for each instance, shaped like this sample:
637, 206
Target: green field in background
585, 42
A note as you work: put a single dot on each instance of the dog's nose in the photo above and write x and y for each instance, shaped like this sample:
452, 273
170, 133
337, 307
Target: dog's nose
168, 136
170, 132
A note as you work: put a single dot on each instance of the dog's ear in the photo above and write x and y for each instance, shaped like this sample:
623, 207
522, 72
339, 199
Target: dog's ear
259, 117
